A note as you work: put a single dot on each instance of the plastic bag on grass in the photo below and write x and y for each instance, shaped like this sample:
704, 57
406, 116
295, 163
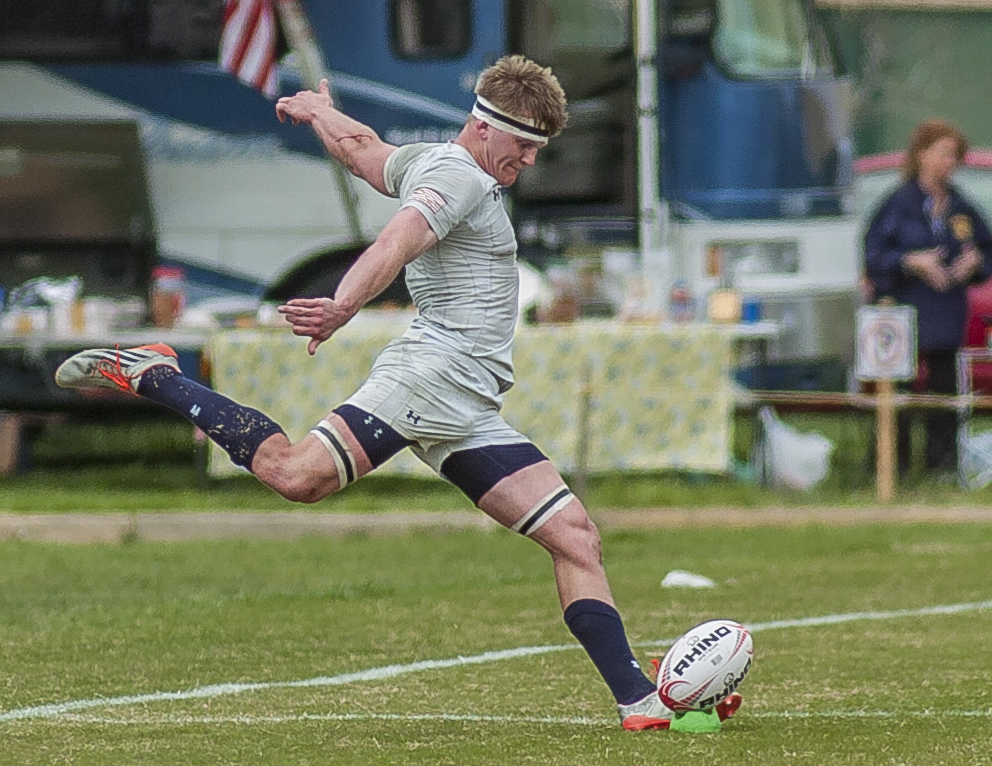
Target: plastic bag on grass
791, 458
976, 459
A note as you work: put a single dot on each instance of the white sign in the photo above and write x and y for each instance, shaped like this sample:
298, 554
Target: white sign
886, 343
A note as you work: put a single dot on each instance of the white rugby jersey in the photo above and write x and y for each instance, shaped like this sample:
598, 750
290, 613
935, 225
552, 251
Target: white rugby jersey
465, 287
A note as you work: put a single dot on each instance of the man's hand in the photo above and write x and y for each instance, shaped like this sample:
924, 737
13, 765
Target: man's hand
315, 318
304, 106
966, 265
928, 265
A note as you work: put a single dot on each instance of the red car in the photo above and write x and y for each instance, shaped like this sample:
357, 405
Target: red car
878, 174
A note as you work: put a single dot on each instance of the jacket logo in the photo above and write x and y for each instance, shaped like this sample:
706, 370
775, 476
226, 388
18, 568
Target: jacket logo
961, 227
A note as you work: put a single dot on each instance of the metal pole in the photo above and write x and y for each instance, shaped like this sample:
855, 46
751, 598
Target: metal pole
652, 211
313, 68
582, 438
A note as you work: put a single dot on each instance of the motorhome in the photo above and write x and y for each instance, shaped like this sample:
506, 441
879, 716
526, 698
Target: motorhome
709, 141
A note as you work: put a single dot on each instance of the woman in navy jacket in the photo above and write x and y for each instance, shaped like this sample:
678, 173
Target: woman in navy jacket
924, 246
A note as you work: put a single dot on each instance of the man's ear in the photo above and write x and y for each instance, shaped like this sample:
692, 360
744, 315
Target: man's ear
482, 130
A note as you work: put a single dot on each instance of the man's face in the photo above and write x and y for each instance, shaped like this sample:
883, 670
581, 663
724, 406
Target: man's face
506, 154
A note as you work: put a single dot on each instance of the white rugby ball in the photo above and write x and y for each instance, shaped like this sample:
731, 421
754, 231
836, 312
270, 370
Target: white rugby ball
705, 666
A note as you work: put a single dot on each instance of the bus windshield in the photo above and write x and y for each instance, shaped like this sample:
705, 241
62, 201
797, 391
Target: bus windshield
768, 38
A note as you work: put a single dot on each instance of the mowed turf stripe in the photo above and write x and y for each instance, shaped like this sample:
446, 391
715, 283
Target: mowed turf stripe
254, 720
392, 671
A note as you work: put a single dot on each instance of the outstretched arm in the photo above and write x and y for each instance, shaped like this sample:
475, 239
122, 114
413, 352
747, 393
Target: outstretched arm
350, 142
403, 239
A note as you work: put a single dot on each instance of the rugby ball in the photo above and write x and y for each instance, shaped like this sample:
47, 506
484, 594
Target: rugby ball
705, 666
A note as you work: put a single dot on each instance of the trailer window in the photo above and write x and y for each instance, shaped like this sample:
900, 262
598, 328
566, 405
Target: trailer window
689, 19
422, 29
110, 30
760, 38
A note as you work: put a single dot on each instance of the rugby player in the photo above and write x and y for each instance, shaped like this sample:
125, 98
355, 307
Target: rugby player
437, 389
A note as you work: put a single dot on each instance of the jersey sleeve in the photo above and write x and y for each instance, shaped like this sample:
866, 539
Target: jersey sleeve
397, 165
443, 190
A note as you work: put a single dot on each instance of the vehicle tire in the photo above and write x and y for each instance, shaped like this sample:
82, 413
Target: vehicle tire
319, 277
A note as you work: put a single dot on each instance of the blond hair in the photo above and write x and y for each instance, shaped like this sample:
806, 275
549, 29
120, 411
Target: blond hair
519, 86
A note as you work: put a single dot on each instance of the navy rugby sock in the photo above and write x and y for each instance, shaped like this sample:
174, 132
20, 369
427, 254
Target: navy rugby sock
237, 429
599, 629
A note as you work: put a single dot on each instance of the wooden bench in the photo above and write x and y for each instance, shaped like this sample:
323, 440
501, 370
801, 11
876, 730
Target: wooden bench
885, 403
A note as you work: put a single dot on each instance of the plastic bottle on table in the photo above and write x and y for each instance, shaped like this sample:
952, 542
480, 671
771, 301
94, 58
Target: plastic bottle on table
168, 295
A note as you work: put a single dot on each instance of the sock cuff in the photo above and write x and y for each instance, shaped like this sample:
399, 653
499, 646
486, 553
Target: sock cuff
243, 453
585, 606
156, 374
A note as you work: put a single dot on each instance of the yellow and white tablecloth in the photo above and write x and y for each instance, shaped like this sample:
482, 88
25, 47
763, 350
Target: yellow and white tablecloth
594, 396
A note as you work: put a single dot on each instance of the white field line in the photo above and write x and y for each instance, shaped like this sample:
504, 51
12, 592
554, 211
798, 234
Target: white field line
255, 720
391, 671
834, 619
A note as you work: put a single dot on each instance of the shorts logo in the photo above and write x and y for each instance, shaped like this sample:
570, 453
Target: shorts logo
431, 199
414, 418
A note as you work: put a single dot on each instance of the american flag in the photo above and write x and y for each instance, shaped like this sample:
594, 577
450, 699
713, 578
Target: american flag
248, 43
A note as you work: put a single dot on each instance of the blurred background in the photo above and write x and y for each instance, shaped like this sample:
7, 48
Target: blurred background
693, 235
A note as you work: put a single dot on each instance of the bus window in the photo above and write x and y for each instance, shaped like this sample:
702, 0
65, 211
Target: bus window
431, 28
588, 45
84, 29
110, 30
184, 30
686, 32
768, 38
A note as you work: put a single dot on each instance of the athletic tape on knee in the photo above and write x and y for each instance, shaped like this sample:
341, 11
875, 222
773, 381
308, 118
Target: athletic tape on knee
344, 461
539, 515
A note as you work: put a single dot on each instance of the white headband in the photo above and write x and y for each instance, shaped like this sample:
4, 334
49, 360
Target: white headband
524, 127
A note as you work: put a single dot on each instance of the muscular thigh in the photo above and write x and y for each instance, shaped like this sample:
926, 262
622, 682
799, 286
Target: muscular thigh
532, 501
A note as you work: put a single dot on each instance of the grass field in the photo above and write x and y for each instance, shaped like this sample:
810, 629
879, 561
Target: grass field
150, 465
871, 647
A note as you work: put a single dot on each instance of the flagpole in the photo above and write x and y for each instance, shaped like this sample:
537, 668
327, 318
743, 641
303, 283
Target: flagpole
313, 68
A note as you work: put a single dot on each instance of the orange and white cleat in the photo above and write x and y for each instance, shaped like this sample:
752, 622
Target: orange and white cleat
114, 368
651, 712
648, 713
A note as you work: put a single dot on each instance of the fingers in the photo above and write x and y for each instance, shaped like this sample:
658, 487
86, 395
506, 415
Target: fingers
283, 109
312, 326
939, 281
301, 307
323, 87
308, 317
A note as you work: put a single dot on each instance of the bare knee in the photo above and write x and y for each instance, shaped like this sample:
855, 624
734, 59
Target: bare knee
573, 536
289, 470
299, 489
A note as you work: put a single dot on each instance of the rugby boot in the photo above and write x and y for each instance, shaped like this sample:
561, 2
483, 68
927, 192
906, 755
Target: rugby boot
113, 367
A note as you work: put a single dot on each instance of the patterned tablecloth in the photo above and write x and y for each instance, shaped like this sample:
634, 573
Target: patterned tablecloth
594, 396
